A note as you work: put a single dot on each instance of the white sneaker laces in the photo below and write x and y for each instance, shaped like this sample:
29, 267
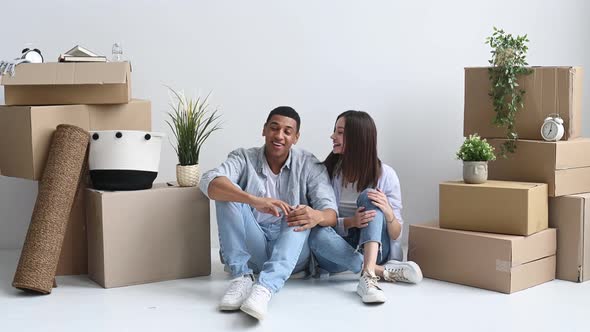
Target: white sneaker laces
237, 286
260, 292
397, 274
371, 281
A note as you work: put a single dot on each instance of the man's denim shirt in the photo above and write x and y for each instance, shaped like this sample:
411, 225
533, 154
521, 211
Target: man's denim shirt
302, 180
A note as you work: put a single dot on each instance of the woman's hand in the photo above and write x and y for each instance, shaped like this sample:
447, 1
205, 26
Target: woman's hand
360, 219
379, 199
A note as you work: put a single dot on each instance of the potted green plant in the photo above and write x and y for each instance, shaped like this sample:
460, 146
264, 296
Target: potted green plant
191, 123
475, 153
508, 63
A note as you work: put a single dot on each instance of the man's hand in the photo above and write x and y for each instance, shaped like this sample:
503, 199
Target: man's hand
271, 206
361, 218
303, 216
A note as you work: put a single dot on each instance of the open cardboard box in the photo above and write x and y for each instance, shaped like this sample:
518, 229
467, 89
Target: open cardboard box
57, 83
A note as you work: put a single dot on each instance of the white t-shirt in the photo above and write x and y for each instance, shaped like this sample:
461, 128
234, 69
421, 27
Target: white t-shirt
348, 197
271, 190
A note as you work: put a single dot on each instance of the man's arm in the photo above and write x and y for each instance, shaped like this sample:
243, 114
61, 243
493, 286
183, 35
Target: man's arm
222, 189
322, 209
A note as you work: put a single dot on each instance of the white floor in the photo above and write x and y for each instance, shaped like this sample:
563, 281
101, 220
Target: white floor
78, 304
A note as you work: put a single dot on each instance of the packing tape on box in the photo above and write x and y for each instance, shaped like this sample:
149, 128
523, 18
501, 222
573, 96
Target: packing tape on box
502, 266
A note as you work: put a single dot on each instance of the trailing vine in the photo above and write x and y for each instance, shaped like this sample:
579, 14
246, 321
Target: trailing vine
508, 63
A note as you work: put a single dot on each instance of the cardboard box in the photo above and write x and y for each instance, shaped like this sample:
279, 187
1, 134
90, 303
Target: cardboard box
571, 216
563, 165
503, 263
502, 207
548, 90
26, 131
137, 237
58, 83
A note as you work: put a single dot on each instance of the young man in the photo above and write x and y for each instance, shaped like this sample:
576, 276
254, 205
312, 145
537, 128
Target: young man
258, 191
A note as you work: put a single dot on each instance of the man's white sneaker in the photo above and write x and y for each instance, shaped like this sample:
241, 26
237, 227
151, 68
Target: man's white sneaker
236, 293
402, 271
368, 289
256, 305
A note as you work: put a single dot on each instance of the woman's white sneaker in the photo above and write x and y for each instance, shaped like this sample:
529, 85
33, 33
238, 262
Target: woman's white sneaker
238, 290
368, 290
402, 271
256, 305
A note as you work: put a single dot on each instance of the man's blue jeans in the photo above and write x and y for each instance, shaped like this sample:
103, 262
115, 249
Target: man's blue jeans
274, 250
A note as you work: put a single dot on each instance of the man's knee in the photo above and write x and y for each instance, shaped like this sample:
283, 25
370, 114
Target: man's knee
320, 234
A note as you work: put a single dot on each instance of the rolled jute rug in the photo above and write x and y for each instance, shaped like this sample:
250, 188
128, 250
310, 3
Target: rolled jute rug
57, 188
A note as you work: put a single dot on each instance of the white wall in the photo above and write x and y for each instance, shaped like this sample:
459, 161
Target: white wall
401, 62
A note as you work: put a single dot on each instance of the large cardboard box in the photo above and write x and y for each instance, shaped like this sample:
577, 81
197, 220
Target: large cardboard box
571, 216
503, 207
563, 165
137, 237
26, 131
58, 83
548, 90
503, 263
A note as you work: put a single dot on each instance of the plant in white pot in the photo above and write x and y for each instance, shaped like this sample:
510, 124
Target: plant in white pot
191, 123
475, 153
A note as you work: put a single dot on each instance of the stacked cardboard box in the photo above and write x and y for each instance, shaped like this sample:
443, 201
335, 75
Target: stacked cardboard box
118, 238
493, 235
93, 96
496, 235
563, 165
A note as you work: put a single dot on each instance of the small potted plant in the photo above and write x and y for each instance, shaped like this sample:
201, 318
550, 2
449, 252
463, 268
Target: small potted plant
191, 123
475, 153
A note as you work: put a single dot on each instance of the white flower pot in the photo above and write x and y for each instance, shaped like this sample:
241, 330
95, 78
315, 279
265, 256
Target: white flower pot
188, 176
475, 172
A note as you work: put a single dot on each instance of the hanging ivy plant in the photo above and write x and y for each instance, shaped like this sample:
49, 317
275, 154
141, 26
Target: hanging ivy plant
508, 63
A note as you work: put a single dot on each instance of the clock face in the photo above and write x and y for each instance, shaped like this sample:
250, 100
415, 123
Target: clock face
550, 130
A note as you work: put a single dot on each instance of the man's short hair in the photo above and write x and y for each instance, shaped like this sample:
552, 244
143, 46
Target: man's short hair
285, 111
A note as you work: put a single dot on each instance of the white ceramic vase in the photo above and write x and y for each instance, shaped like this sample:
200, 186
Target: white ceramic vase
475, 172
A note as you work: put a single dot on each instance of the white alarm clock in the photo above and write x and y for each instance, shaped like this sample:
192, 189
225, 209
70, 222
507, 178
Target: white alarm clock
552, 129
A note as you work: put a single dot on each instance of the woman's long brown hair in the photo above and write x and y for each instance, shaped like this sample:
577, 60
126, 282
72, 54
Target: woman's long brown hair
359, 162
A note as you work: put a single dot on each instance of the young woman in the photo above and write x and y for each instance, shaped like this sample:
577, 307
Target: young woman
369, 207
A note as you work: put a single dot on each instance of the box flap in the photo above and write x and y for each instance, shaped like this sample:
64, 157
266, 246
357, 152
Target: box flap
533, 273
57, 73
496, 184
534, 247
131, 116
573, 154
